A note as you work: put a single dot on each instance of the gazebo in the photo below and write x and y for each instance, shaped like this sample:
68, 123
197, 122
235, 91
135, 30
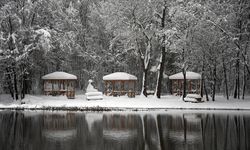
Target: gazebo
193, 83
59, 83
120, 83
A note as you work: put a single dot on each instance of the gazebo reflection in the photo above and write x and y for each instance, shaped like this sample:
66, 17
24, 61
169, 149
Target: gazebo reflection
122, 132
59, 127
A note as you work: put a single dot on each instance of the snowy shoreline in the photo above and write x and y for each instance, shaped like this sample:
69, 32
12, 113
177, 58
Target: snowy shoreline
120, 109
168, 102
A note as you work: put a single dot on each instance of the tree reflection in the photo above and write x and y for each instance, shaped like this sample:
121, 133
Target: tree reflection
180, 132
152, 139
116, 131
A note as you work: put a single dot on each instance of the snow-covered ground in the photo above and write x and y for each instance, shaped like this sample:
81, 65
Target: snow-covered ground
120, 103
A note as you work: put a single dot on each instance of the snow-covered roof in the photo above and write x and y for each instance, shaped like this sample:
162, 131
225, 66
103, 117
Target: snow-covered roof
189, 75
119, 76
59, 75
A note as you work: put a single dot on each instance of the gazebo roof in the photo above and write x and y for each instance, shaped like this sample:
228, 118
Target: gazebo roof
189, 75
59, 75
119, 76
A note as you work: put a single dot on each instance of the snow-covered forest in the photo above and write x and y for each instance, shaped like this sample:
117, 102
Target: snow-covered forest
151, 39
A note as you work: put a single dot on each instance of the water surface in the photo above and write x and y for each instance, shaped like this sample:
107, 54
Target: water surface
178, 130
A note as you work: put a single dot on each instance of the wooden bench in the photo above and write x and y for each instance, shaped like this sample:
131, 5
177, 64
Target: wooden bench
194, 98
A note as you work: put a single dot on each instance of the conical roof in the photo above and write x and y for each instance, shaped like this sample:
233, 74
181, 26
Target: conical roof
119, 76
59, 75
189, 75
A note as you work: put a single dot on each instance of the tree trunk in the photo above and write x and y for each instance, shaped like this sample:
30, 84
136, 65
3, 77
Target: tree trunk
235, 88
237, 80
144, 57
202, 86
24, 86
238, 75
15, 84
10, 86
214, 83
145, 61
205, 89
163, 56
244, 69
10, 69
184, 83
202, 76
244, 84
184, 74
161, 71
144, 83
225, 78
240, 29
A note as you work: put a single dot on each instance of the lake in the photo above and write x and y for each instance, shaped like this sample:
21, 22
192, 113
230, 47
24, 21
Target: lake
166, 130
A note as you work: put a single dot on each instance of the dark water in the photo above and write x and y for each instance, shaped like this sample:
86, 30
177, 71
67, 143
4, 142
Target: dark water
124, 131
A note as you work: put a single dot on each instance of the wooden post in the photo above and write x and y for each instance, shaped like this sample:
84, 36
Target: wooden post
52, 85
67, 87
123, 87
134, 85
178, 87
200, 87
120, 88
74, 88
190, 86
171, 83
174, 86
196, 87
113, 87
181, 86
67, 83
44, 83
105, 87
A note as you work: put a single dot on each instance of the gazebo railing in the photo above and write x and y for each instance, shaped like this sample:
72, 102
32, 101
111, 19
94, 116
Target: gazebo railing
130, 93
59, 87
120, 88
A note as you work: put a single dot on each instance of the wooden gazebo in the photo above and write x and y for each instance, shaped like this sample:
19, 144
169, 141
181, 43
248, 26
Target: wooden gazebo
193, 83
120, 83
59, 83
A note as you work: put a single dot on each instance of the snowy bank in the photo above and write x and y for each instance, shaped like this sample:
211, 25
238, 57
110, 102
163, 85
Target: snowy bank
120, 103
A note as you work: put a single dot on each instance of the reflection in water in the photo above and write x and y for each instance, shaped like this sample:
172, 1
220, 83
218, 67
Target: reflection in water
60, 134
122, 132
180, 132
117, 131
59, 127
